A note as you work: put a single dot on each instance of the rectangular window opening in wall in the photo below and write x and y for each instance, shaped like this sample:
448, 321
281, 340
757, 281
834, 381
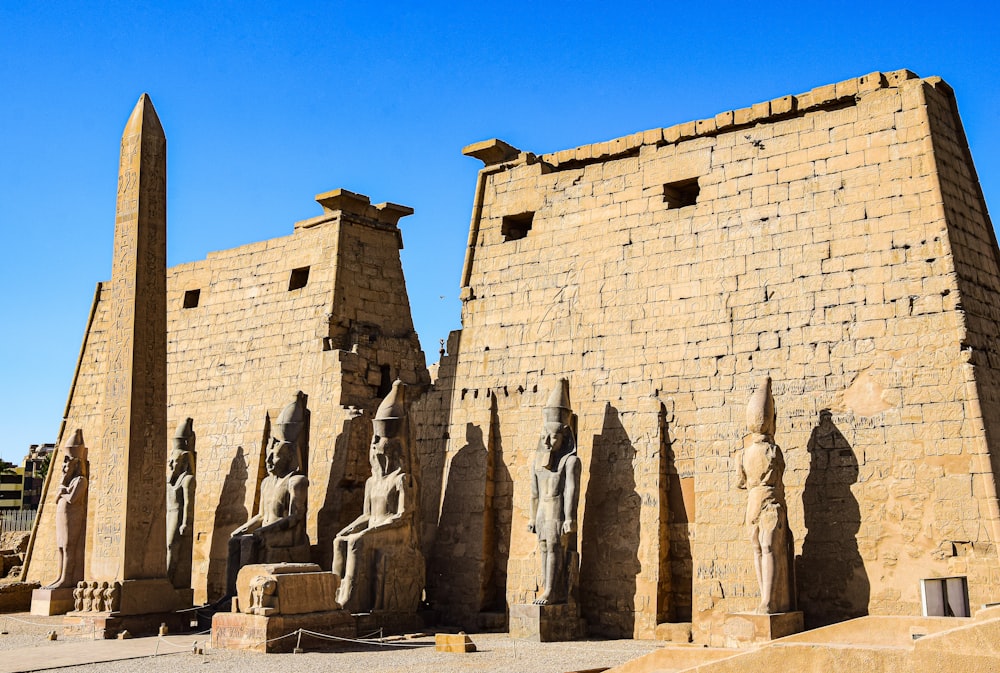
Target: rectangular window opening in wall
515, 227
299, 278
191, 298
385, 380
945, 597
681, 194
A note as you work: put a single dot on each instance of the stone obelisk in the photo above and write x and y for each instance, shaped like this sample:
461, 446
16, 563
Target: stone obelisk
129, 519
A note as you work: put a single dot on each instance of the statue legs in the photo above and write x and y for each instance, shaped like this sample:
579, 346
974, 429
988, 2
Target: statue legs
554, 560
360, 559
243, 550
762, 536
346, 549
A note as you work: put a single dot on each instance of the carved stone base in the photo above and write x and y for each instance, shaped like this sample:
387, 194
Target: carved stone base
547, 623
51, 601
108, 625
749, 628
285, 588
140, 597
238, 631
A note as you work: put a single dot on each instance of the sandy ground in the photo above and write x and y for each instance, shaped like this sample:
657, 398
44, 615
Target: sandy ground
497, 652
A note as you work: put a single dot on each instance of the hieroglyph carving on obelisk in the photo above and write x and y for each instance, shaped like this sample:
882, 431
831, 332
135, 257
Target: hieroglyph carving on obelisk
129, 524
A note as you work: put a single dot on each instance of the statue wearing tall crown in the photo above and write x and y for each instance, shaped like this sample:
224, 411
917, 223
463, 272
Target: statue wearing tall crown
71, 513
180, 505
277, 533
377, 556
761, 468
555, 494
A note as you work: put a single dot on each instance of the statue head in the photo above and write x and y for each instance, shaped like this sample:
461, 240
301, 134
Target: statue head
181, 457
760, 410
75, 455
292, 419
281, 458
184, 437
388, 419
557, 409
289, 426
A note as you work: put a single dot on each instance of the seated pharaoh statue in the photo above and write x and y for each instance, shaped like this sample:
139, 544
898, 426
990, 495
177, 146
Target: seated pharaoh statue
277, 533
377, 556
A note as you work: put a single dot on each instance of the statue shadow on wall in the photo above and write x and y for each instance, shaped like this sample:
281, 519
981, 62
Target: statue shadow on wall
345, 490
461, 510
499, 507
675, 605
610, 535
832, 583
230, 513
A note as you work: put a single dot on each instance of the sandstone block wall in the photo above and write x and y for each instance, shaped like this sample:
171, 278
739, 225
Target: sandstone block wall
324, 311
835, 240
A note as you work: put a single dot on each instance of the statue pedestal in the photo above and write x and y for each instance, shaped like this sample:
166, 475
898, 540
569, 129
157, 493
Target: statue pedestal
241, 631
46, 602
143, 606
742, 629
275, 600
547, 623
259, 633
108, 625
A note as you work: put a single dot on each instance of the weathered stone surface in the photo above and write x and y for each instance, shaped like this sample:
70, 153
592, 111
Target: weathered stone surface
750, 628
286, 589
241, 347
129, 520
546, 623
181, 489
51, 601
837, 241
555, 495
71, 514
761, 473
277, 532
377, 556
453, 642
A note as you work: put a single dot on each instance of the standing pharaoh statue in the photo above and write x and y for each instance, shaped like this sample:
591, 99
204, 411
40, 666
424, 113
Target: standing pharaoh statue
761, 468
277, 533
555, 494
180, 505
71, 513
377, 555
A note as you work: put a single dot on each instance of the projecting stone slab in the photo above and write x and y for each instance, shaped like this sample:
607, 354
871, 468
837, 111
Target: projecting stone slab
51, 601
546, 623
748, 628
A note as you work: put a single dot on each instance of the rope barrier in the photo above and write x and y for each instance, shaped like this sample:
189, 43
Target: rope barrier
365, 641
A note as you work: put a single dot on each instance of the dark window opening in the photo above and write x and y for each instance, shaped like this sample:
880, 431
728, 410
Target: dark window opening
299, 278
191, 298
681, 193
385, 382
515, 227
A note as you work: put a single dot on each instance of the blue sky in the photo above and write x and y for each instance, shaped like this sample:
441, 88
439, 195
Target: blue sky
265, 106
